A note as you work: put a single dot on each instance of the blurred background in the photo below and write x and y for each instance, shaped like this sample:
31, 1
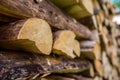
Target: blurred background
116, 18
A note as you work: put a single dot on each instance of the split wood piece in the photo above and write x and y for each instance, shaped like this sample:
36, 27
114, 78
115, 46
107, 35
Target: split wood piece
96, 5
90, 50
106, 65
106, 12
105, 35
76, 8
44, 9
114, 75
33, 35
99, 68
96, 35
98, 78
105, 22
76, 48
101, 15
64, 43
19, 65
90, 22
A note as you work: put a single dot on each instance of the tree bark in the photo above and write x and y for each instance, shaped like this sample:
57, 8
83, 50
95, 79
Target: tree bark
44, 10
33, 35
19, 65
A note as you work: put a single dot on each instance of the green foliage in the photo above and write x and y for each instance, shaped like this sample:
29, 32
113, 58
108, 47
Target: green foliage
117, 3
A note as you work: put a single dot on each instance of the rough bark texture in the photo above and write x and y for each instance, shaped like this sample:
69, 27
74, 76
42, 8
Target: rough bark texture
33, 35
19, 65
44, 10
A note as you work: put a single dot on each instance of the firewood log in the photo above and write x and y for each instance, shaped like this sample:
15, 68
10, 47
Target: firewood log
64, 43
19, 65
76, 48
90, 50
90, 22
33, 35
43, 9
76, 8
99, 68
96, 35
106, 65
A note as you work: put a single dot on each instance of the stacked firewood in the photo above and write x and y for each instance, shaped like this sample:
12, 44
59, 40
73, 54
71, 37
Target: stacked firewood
58, 40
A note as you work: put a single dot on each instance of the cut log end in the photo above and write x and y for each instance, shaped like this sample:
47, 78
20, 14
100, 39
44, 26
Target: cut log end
66, 40
88, 5
39, 31
76, 48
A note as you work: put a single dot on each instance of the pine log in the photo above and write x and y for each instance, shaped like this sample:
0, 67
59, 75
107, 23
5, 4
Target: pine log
105, 35
90, 50
96, 35
43, 9
106, 64
76, 8
25, 66
64, 43
90, 22
76, 48
33, 35
99, 68
96, 5
114, 74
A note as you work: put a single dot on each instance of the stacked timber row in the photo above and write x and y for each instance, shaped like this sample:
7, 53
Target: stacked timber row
58, 40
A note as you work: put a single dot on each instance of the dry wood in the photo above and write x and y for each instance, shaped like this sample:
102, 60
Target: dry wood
96, 5
76, 48
104, 8
44, 9
106, 65
76, 8
90, 50
19, 65
96, 35
105, 34
98, 78
114, 74
64, 43
90, 22
33, 35
99, 68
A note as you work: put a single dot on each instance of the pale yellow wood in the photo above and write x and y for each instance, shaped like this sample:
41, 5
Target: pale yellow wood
64, 43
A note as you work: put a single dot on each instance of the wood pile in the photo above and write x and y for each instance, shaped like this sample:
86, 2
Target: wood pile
58, 40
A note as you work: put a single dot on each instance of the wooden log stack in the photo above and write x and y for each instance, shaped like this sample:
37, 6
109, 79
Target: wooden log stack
58, 40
